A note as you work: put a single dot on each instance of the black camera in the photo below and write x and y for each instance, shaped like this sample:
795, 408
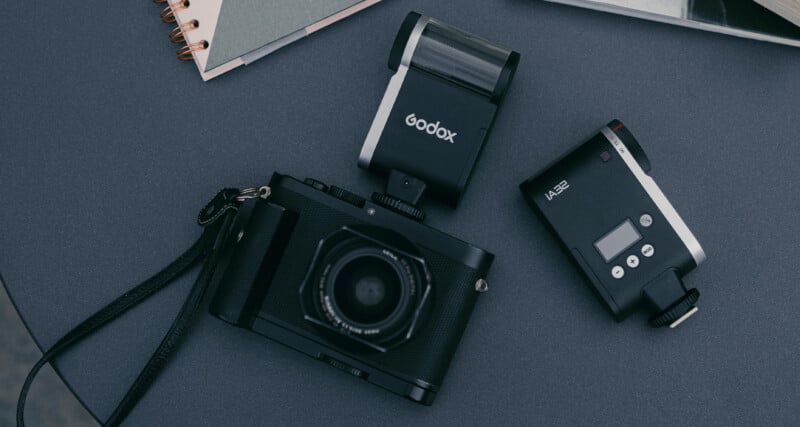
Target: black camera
620, 228
352, 283
362, 284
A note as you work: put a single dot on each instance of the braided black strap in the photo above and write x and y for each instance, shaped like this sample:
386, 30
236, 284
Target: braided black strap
216, 217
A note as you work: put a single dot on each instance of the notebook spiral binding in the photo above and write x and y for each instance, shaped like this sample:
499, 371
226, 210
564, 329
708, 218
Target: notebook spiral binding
178, 34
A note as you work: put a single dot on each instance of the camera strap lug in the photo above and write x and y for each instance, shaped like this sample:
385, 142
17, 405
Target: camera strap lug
262, 192
230, 199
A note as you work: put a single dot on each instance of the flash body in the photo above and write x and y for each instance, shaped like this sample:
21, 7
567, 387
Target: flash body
439, 106
619, 227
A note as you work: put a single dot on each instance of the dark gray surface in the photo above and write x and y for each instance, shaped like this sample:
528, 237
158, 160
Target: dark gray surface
50, 402
109, 146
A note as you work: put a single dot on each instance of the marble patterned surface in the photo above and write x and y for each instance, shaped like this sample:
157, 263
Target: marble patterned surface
50, 402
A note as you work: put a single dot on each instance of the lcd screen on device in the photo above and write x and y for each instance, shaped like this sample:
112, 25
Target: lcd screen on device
618, 240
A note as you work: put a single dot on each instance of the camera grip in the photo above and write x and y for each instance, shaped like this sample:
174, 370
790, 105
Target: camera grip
247, 276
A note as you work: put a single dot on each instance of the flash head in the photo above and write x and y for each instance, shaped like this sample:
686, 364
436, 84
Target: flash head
438, 108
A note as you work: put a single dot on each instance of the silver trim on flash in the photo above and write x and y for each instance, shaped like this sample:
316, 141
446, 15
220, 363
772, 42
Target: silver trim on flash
390, 97
658, 197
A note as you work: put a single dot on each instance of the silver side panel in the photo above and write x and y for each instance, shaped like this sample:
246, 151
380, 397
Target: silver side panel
390, 96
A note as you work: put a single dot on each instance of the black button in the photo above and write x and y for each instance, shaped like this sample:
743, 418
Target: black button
317, 185
347, 196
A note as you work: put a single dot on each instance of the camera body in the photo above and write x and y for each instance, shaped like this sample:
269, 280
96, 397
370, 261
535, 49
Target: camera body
619, 227
352, 283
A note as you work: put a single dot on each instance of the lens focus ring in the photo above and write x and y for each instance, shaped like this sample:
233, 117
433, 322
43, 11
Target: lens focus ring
367, 290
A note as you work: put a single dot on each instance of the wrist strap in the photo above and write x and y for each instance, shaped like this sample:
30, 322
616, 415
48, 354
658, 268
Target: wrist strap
217, 217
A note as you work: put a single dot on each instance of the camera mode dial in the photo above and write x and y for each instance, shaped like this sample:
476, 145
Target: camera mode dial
317, 185
347, 196
398, 206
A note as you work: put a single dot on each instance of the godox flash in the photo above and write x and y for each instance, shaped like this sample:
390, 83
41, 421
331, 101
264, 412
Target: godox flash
437, 111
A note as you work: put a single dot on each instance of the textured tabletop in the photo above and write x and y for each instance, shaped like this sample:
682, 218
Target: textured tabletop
109, 146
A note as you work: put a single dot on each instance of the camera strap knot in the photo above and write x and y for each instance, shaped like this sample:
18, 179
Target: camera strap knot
216, 218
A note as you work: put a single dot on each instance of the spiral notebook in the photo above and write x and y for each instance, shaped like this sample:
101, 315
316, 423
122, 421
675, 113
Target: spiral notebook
220, 35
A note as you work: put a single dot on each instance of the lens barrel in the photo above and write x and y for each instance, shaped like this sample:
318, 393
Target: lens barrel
365, 289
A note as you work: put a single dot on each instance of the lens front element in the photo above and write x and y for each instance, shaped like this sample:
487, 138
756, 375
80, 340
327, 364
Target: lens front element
366, 289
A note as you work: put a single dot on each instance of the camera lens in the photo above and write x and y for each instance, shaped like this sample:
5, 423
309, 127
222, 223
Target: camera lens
367, 289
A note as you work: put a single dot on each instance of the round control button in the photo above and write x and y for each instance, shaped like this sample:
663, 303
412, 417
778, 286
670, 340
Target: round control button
633, 261
617, 272
646, 220
648, 250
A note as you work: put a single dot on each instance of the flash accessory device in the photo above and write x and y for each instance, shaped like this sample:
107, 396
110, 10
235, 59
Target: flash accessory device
436, 112
619, 226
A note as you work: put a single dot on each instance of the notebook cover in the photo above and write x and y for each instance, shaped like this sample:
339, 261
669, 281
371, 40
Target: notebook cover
239, 32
